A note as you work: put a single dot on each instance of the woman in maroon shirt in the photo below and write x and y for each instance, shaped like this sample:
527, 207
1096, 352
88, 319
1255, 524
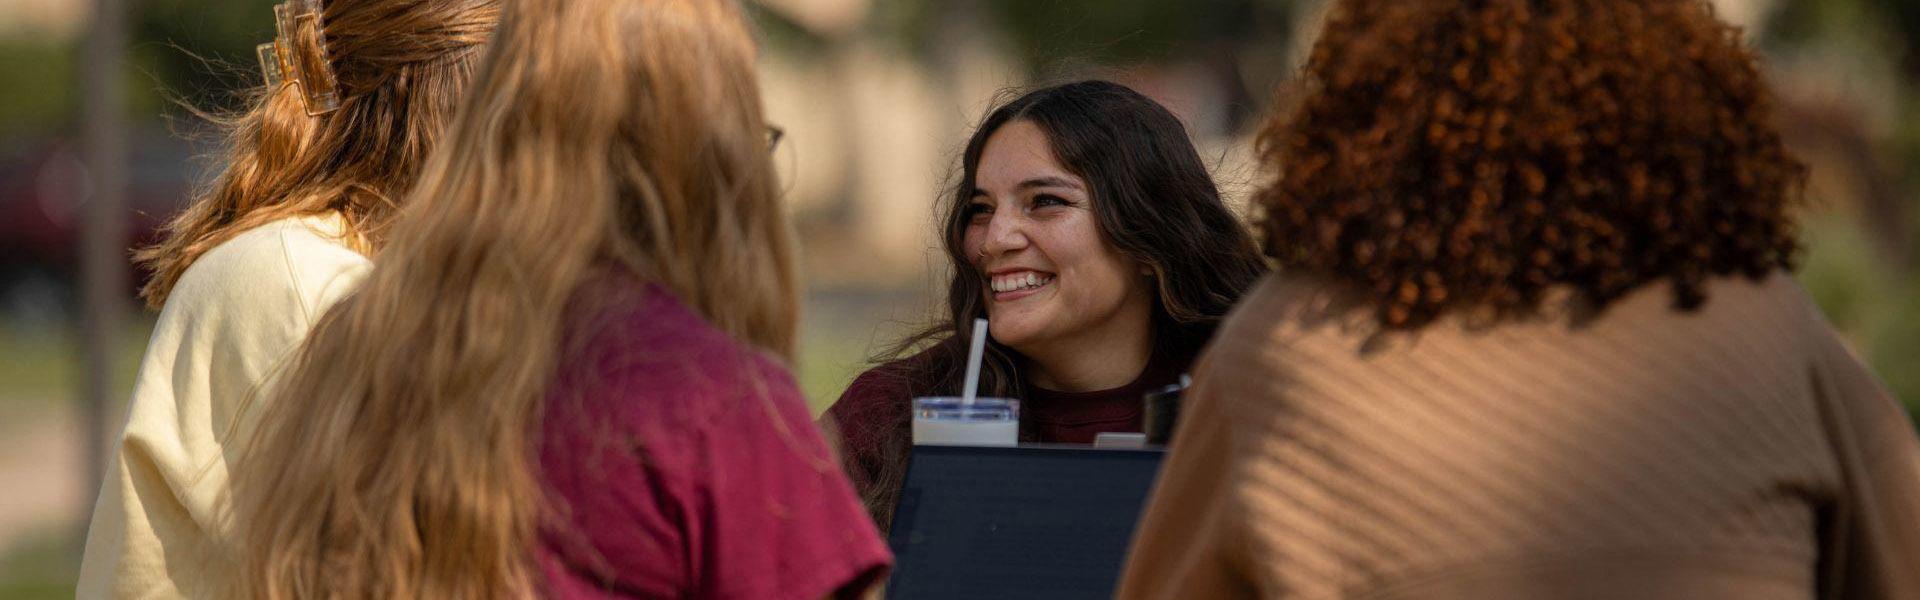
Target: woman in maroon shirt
566, 376
1087, 230
718, 485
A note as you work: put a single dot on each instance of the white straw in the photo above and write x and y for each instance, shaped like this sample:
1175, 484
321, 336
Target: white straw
973, 360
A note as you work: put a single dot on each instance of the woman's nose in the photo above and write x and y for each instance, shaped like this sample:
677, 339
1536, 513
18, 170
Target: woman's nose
1005, 233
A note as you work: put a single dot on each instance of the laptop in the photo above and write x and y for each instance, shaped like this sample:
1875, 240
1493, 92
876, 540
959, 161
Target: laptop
1021, 522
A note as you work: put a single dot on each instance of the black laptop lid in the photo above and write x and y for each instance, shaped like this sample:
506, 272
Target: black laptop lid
1028, 522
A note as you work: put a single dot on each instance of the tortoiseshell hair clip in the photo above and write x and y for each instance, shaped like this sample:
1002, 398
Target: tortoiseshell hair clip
298, 55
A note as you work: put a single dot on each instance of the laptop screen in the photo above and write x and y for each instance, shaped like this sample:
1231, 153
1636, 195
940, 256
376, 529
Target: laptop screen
1026, 522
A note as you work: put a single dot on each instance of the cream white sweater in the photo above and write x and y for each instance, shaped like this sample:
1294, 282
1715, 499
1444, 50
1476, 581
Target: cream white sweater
159, 528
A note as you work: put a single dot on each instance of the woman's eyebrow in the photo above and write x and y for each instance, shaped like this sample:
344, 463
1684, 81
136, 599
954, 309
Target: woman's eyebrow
1046, 182
1049, 181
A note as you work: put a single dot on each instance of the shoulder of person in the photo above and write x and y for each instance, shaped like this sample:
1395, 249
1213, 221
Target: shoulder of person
886, 388
1285, 338
292, 268
641, 341
886, 380
1778, 296
1282, 310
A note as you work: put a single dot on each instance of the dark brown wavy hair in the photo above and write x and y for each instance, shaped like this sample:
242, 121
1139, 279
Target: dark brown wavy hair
1153, 200
1476, 153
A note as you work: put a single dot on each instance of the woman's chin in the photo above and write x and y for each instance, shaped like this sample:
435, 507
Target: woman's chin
1014, 330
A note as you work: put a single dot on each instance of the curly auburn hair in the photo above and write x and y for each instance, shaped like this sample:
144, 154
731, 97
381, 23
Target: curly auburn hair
1477, 153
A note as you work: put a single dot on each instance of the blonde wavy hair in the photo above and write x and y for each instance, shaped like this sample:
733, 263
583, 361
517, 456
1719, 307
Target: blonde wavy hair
396, 459
401, 67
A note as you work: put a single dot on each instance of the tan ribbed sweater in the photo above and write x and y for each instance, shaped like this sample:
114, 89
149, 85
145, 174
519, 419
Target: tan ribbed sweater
1739, 451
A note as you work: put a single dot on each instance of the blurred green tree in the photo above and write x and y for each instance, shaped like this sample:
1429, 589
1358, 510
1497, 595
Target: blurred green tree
1869, 287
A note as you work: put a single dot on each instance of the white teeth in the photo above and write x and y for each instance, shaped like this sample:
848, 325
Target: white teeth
1019, 281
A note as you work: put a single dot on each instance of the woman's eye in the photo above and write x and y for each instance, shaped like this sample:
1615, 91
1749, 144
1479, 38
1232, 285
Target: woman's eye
975, 212
1049, 200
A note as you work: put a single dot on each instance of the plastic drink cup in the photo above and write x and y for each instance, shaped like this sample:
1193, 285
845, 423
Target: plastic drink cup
951, 421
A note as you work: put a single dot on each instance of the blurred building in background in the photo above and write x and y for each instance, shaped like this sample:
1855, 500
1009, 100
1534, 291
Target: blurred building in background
56, 19
876, 97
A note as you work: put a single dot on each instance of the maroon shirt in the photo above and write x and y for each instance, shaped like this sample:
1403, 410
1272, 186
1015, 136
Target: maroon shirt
874, 424
685, 466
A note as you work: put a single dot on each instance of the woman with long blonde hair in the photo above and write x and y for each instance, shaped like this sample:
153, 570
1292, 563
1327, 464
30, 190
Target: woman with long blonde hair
566, 376
357, 93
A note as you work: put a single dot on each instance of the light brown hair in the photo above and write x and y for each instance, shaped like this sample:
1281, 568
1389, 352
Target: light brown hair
1473, 155
396, 461
401, 67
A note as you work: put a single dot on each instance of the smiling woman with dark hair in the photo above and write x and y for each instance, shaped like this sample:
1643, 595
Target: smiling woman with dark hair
1538, 335
1086, 229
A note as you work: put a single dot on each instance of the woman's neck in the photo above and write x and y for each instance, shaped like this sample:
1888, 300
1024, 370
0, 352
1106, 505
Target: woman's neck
1103, 359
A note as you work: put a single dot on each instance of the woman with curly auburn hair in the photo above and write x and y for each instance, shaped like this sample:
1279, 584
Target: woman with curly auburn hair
1534, 335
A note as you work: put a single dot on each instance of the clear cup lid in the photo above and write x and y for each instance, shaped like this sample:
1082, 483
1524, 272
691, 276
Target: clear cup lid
949, 408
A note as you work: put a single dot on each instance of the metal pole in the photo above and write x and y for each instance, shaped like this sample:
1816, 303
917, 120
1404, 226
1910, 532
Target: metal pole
103, 258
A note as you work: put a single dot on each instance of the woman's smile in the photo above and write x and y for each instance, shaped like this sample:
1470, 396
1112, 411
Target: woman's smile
1017, 284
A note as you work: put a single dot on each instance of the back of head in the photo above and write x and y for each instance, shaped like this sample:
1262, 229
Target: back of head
1473, 155
399, 68
396, 459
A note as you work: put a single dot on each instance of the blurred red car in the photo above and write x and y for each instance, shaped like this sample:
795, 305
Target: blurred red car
43, 190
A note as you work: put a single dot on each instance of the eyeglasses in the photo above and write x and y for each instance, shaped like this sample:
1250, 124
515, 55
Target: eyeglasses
774, 135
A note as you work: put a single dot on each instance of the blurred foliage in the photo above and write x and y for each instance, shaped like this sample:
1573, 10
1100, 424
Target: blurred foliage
1896, 346
1804, 22
204, 48
41, 567
1838, 270
1106, 32
40, 87
1879, 315
783, 36
194, 51
1877, 306
41, 369
1045, 34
